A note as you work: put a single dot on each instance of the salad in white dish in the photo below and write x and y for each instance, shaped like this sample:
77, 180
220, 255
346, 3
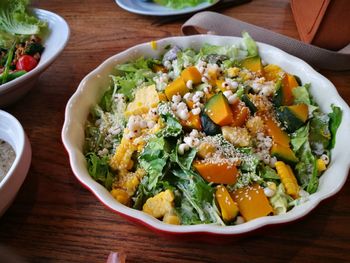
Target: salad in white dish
20, 39
180, 4
214, 135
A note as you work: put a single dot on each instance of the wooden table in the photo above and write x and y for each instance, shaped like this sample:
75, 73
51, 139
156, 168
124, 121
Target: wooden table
55, 219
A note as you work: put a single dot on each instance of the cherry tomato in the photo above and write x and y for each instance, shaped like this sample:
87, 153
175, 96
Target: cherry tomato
26, 62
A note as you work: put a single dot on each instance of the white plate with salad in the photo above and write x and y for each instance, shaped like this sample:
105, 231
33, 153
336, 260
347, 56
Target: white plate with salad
165, 7
208, 134
30, 41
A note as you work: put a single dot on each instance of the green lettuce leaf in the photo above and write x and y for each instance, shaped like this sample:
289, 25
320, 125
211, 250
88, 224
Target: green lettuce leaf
15, 18
153, 159
132, 75
172, 126
232, 51
301, 95
299, 137
98, 169
335, 118
250, 44
185, 160
280, 200
267, 173
306, 169
197, 202
180, 4
319, 135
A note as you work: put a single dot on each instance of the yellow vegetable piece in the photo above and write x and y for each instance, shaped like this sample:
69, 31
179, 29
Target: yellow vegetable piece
277, 134
272, 72
237, 136
145, 98
218, 110
153, 44
219, 173
126, 186
177, 87
253, 64
121, 196
233, 72
122, 157
160, 204
300, 110
252, 202
219, 85
205, 149
162, 96
191, 73
288, 179
171, 219
288, 84
321, 165
283, 153
228, 207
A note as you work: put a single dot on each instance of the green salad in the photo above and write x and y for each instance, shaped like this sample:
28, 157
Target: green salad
180, 4
20, 39
214, 136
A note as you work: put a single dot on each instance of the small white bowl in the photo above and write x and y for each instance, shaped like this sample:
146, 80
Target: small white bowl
94, 84
54, 44
12, 132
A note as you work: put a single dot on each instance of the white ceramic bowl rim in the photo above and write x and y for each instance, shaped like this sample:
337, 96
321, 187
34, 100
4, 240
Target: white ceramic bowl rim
322, 89
46, 59
18, 148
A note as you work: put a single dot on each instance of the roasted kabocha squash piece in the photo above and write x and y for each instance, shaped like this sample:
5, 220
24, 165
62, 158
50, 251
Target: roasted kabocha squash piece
209, 127
176, 87
275, 132
284, 94
252, 202
283, 153
253, 64
219, 173
293, 117
229, 209
191, 73
218, 109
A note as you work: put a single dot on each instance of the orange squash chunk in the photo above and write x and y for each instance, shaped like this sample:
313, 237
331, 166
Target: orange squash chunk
301, 111
240, 114
252, 202
219, 173
218, 109
162, 96
292, 82
288, 84
191, 73
272, 72
253, 64
193, 122
277, 134
176, 87
228, 207
157, 68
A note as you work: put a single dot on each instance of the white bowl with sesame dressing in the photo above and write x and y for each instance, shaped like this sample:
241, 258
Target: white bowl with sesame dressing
95, 83
15, 171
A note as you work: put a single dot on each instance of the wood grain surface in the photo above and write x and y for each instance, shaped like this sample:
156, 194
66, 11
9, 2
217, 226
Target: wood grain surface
55, 219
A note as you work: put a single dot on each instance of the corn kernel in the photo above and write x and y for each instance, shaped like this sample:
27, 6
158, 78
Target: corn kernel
153, 45
121, 196
171, 219
321, 165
